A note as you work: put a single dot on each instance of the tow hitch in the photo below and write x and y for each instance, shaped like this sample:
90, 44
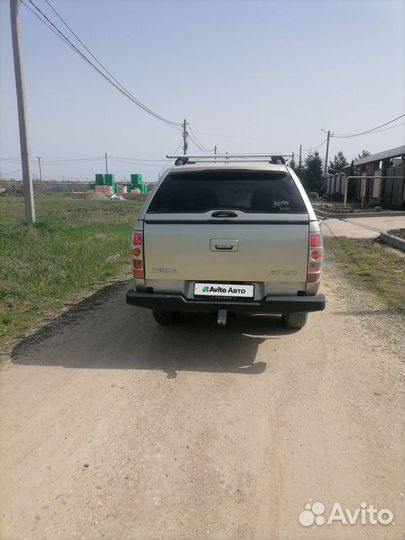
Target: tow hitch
222, 313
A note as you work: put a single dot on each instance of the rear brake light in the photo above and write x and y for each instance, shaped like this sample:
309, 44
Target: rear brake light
138, 273
137, 239
315, 257
315, 240
137, 255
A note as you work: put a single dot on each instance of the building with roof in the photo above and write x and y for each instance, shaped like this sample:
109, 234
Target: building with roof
399, 151
380, 182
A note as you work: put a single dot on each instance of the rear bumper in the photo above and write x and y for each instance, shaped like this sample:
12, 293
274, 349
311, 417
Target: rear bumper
270, 304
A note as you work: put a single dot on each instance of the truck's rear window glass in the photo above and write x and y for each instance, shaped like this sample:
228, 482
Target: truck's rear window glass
249, 191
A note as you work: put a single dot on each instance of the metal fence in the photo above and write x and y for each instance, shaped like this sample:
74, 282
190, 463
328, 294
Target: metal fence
369, 190
46, 186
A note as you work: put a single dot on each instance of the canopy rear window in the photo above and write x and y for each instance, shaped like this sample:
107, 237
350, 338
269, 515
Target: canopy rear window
248, 191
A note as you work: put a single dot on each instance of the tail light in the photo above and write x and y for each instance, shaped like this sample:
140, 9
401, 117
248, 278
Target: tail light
315, 258
137, 255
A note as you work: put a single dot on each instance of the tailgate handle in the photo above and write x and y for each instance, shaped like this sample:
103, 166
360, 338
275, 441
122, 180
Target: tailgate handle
224, 214
223, 248
224, 244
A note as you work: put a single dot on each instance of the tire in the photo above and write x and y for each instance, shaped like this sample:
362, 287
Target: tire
295, 320
166, 318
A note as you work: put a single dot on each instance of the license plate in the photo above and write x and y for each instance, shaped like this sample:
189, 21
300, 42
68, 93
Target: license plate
233, 290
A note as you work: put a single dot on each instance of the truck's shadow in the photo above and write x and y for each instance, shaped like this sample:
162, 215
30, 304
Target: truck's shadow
103, 332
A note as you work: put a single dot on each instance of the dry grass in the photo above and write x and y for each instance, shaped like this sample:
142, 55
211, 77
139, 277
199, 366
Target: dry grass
371, 265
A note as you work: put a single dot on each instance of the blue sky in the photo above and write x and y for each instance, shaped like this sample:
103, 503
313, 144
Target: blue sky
249, 76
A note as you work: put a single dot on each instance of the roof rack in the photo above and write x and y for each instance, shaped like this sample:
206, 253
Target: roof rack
234, 158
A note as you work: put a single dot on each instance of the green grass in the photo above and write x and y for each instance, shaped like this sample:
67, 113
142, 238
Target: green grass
74, 247
371, 265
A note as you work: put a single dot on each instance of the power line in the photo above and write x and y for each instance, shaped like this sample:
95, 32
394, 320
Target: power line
227, 136
10, 172
376, 130
198, 145
55, 161
388, 128
195, 140
134, 164
118, 158
82, 44
85, 46
315, 147
121, 88
345, 136
175, 152
109, 78
168, 160
116, 84
72, 160
85, 159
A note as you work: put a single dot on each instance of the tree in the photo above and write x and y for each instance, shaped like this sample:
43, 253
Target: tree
297, 167
293, 165
313, 174
299, 170
363, 154
339, 162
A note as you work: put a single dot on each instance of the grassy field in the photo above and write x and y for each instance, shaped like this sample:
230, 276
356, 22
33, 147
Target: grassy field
371, 265
74, 247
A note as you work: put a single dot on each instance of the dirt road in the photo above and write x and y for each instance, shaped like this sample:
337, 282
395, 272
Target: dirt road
113, 427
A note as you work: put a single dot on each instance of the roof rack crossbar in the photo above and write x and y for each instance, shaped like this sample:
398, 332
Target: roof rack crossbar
228, 156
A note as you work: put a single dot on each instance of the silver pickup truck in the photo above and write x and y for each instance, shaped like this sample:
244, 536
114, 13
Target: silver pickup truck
227, 235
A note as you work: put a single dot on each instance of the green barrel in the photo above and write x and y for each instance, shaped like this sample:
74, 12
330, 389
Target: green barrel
100, 180
136, 180
109, 179
93, 186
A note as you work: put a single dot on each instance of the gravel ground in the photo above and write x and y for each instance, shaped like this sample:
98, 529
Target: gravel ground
374, 314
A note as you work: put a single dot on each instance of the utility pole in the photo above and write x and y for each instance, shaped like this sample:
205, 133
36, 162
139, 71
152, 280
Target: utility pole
215, 149
300, 159
185, 145
22, 121
106, 163
39, 165
327, 153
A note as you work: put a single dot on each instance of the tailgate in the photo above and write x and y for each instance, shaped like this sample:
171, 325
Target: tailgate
255, 250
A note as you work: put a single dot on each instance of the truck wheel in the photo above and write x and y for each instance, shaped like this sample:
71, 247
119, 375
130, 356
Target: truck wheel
295, 320
165, 317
